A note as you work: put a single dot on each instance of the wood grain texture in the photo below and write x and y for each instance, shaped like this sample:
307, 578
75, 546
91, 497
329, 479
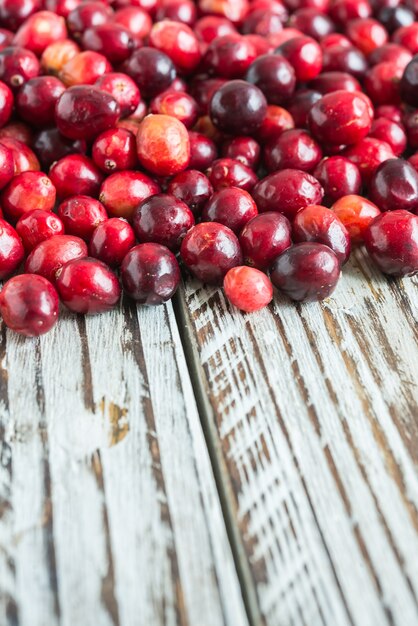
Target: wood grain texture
313, 413
109, 514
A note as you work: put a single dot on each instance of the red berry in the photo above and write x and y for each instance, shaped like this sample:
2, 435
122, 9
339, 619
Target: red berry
265, 237
338, 176
29, 305
232, 207
6, 165
115, 150
150, 273
84, 68
202, 151
28, 191
231, 173
123, 89
24, 159
11, 250
321, 225
76, 174
274, 75
294, 149
51, 254
36, 100
247, 288
392, 242
123, 191
176, 104
163, 145
356, 213
162, 219
394, 185
238, 107
111, 241
178, 41
152, 70
40, 30
229, 56
305, 56
193, 188
112, 40
368, 154
36, 226
81, 215
17, 66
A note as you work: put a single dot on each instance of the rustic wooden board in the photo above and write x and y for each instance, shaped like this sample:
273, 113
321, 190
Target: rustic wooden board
312, 416
109, 513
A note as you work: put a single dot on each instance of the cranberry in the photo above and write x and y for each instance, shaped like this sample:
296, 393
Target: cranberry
231, 173
50, 146
366, 34
244, 149
123, 89
262, 23
24, 159
202, 151
112, 40
115, 149
88, 286
17, 131
304, 54
11, 250
163, 145
28, 191
312, 22
274, 75
276, 121
50, 255
36, 100
6, 38
234, 10
301, 104
62, 7
410, 121
150, 273
263, 238
82, 112
229, 56
232, 207
368, 154
339, 177
391, 53
17, 66
87, 15
81, 215
306, 272
395, 17
335, 81
344, 10
176, 104
238, 107
202, 90
123, 191
57, 54
287, 192
75, 174
413, 160
394, 185
382, 83
111, 241
409, 83
210, 27
39, 31
179, 10
391, 132
340, 117
392, 242
321, 225
193, 188
247, 288
36, 226
84, 68
344, 59
13, 13
407, 36
29, 305
152, 70
6, 166
335, 39
294, 149
178, 41
135, 19
209, 250
355, 213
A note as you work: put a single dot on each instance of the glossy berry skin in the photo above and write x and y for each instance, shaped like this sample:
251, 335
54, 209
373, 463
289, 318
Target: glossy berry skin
294, 149
391, 53
51, 146
28, 191
382, 83
112, 40
86, 15
57, 54
40, 30
162, 219
210, 27
338, 177
152, 70
123, 89
247, 288
163, 145
81, 215
115, 150
6, 103
238, 107
300, 106
203, 151
6, 165
232, 207
231, 173
36, 226
84, 68
83, 112
368, 154
209, 251
29, 305
179, 42
367, 34
17, 130
123, 191
191, 187
394, 185
345, 59
202, 89
150, 274
177, 104
287, 191
111, 241
356, 213
11, 250
305, 56
409, 83
135, 19
229, 56
179, 10
334, 81
36, 100
244, 149
24, 159
74, 175
391, 132
88, 286
306, 272
17, 66
13, 14
392, 242
321, 225
263, 238
274, 75
340, 118
51, 254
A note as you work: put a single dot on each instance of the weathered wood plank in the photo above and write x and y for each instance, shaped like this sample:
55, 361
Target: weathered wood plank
109, 514
313, 410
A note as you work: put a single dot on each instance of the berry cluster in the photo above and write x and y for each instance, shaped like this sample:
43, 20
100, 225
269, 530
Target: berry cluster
253, 142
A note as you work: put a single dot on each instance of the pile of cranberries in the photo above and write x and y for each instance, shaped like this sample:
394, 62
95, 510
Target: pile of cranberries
252, 142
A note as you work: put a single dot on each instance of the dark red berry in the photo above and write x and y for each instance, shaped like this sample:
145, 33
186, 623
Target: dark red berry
193, 188
112, 40
76, 174
152, 70
265, 237
231, 173
28, 191
203, 151
232, 207
321, 225
36, 226
338, 176
11, 250
394, 185
123, 89
274, 75
17, 66
36, 100
238, 107
51, 254
111, 241
162, 219
81, 215
294, 149
115, 150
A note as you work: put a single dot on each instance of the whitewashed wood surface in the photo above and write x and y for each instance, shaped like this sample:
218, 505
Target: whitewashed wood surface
290, 500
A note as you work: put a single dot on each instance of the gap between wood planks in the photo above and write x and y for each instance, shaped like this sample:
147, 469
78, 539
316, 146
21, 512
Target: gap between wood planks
220, 471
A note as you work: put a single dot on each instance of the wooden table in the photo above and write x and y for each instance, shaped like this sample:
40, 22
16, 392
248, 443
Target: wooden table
189, 464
